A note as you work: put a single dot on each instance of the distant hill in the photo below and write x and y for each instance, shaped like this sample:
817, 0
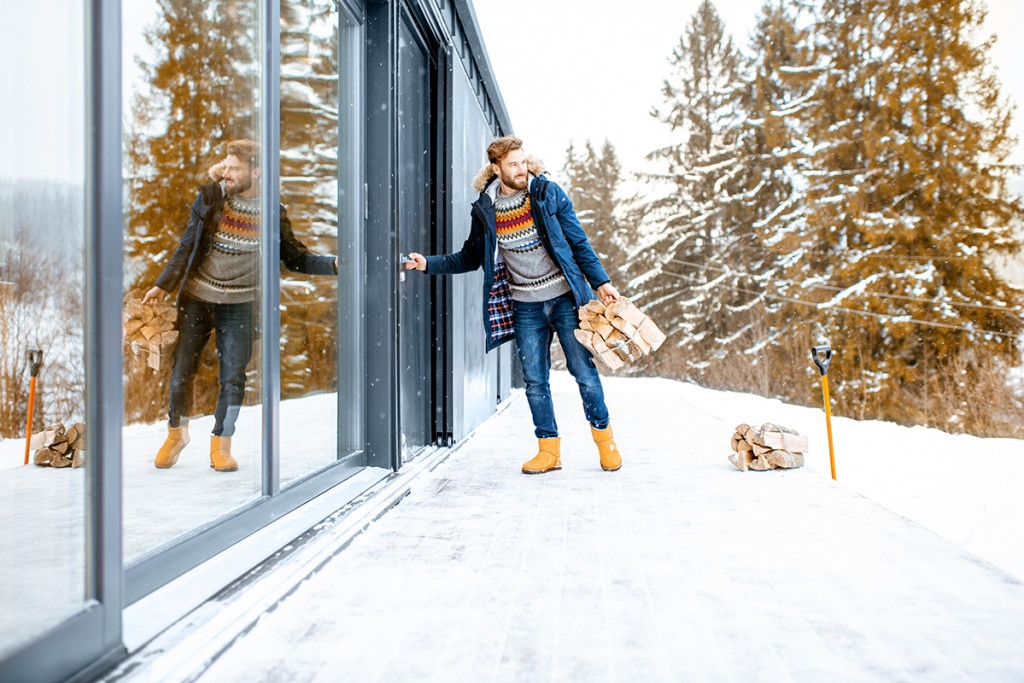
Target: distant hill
45, 216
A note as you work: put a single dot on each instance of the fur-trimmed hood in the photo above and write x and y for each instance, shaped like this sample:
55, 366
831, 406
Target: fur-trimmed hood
486, 175
216, 172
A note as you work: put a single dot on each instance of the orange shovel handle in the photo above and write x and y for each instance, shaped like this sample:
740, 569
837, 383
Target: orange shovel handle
31, 407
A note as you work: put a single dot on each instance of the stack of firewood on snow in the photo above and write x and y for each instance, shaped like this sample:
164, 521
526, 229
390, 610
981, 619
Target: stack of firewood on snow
59, 448
618, 333
767, 447
149, 331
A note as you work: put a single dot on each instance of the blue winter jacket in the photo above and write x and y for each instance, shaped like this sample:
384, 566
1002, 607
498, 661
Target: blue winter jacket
198, 238
561, 234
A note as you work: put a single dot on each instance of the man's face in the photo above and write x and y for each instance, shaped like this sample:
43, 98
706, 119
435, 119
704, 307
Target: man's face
511, 169
238, 175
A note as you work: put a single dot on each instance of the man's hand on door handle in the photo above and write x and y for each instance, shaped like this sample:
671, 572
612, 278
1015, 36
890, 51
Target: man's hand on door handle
415, 261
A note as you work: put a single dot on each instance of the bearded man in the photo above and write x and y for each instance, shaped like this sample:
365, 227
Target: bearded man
216, 272
539, 268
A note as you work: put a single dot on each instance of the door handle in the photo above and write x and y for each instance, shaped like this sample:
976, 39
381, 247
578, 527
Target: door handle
402, 260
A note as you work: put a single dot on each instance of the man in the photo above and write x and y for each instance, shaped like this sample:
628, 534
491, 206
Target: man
535, 257
216, 271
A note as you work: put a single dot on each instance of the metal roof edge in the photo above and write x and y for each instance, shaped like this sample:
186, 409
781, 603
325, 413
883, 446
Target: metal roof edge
467, 15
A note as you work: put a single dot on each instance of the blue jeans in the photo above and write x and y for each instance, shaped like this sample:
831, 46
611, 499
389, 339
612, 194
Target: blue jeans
535, 324
233, 324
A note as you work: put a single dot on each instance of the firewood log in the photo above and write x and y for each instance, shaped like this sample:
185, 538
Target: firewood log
603, 328
60, 460
134, 308
623, 326
612, 360
742, 460
786, 441
586, 338
594, 307
78, 443
784, 459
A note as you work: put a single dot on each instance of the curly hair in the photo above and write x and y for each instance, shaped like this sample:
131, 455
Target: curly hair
246, 150
502, 146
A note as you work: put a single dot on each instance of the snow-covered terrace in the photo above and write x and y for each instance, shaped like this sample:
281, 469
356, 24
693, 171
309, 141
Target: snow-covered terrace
676, 568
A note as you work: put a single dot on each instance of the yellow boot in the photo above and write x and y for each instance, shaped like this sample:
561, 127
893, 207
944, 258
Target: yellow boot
610, 458
546, 459
220, 454
177, 439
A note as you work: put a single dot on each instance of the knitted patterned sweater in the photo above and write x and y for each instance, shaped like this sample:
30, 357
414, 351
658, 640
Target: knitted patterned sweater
533, 275
230, 272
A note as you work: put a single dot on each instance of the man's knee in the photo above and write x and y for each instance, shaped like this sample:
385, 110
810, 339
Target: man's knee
537, 388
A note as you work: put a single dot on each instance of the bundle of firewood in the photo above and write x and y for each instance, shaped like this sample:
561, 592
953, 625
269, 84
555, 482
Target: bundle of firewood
149, 332
767, 447
60, 448
618, 333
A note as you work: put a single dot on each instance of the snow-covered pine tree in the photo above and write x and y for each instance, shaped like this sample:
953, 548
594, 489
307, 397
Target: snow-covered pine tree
775, 104
690, 274
907, 201
594, 181
309, 191
200, 91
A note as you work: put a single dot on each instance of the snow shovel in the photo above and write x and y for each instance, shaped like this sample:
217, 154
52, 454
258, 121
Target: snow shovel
35, 359
822, 356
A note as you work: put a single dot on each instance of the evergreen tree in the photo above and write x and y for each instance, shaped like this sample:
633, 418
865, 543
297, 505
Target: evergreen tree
594, 181
778, 96
691, 285
907, 199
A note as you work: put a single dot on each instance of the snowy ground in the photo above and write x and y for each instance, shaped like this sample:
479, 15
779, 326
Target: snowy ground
965, 489
677, 567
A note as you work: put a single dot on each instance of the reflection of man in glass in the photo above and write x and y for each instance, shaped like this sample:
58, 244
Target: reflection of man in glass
216, 266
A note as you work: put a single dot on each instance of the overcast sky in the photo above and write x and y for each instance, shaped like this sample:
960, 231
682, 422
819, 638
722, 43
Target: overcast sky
593, 69
42, 81
569, 70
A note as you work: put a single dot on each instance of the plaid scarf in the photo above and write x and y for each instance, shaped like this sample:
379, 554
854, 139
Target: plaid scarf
499, 305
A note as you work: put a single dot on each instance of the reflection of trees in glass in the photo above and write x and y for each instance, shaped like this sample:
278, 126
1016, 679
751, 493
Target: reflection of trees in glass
200, 85
309, 190
41, 305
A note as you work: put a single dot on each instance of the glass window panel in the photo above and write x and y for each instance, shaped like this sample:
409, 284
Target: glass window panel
310, 194
42, 279
192, 266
